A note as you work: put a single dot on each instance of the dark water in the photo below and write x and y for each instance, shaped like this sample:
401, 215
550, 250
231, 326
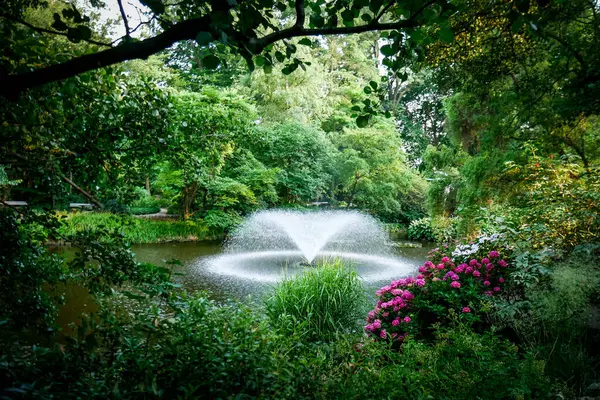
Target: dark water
194, 276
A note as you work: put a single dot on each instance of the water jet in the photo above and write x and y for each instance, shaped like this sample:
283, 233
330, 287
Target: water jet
269, 245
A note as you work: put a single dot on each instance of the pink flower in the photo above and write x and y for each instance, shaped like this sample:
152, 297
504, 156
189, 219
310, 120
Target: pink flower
473, 262
420, 276
476, 273
407, 295
460, 269
501, 280
486, 283
369, 327
454, 277
422, 269
385, 314
485, 260
428, 264
376, 324
494, 254
440, 266
455, 284
502, 263
436, 279
468, 270
420, 282
489, 293
445, 259
396, 292
497, 289
396, 322
406, 319
489, 267
383, 334
466, 310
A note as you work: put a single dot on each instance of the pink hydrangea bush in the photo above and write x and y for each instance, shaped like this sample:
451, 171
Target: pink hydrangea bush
410, 306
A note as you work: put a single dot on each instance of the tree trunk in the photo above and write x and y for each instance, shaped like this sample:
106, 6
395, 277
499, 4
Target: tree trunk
189, 194
148, 185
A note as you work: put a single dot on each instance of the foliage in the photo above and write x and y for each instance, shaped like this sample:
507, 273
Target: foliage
445, 289
137, 230
553, 316
144, 210
421, 229
318, 304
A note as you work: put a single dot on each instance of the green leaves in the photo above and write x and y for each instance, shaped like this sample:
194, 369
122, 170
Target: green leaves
446, 34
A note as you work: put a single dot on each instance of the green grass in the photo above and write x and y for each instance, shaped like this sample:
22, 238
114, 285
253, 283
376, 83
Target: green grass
138, 230
319, 303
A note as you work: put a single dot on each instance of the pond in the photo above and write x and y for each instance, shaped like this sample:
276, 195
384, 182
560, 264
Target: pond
194, 274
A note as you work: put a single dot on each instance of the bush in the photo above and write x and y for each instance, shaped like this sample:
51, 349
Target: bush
421, 229
321, 302
443, 290
459, 364
144, 210
444, 230
552, 314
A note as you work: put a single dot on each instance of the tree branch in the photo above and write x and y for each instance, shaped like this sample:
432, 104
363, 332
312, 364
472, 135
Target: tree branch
12, 85
260, 44
300, 14
124, 16
44, 30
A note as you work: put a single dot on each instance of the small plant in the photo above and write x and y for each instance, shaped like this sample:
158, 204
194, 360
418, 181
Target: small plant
319, 303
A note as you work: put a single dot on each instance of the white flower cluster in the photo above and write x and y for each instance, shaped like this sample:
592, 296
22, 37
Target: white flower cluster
465, 250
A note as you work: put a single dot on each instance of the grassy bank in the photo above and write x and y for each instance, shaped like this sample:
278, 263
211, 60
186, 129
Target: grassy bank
139, 230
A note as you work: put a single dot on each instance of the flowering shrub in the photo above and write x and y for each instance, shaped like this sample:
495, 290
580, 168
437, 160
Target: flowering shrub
445, 286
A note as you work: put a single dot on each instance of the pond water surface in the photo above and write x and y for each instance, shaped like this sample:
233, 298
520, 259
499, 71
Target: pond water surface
194, 275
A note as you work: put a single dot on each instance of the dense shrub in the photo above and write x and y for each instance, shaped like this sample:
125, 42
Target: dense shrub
421, 229
444, 288
144, 210
321, 302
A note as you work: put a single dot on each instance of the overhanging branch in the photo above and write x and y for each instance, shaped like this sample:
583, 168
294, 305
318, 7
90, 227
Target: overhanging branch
12, 85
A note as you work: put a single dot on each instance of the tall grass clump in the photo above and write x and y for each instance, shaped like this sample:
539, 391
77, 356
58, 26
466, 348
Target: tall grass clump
318, 304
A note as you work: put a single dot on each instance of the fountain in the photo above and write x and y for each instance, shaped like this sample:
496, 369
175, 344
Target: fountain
272, 244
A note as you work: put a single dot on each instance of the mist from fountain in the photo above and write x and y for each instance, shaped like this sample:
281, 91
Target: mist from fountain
310, 233
276, 243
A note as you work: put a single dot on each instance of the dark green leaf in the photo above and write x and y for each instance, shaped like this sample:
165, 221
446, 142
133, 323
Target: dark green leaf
373, 84
203, 38
522, 6
362, 121
211, 61
446, 34
305, 41
387, 50
347, 15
